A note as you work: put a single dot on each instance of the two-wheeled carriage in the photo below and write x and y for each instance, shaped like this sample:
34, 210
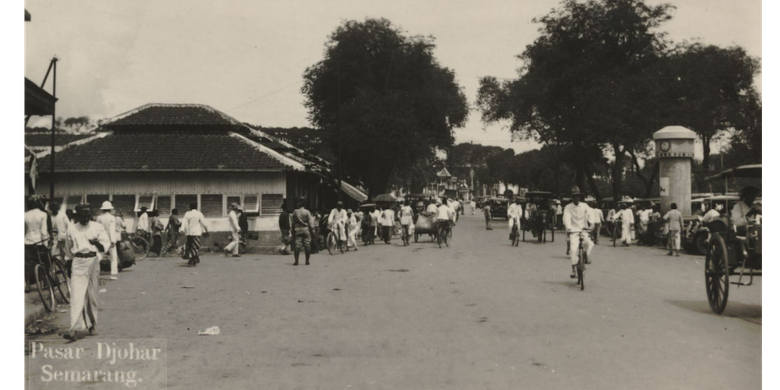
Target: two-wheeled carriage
538, 216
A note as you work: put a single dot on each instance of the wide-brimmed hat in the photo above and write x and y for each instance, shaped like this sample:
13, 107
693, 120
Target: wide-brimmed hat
144, 208
107, 206
575, 191
234, 205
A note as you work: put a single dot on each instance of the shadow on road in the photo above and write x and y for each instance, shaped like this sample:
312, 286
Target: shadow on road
747, 312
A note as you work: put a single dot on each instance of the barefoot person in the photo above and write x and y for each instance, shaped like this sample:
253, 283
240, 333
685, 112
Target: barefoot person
301, 220
194, 228
87, 241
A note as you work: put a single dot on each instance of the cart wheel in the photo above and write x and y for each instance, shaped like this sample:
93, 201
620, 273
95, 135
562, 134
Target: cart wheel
716, 274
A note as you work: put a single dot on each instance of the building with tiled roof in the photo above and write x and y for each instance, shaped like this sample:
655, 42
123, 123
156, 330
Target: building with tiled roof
165, 156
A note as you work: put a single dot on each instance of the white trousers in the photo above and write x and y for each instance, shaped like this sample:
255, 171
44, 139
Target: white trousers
512, 223
352, 234
233, 246
114, 260
625, 235
574, 245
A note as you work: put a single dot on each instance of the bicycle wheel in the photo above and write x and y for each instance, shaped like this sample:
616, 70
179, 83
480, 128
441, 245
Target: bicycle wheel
614, 235
45, 290
516, 236
61, 280
331, 243
140, 247
581, 269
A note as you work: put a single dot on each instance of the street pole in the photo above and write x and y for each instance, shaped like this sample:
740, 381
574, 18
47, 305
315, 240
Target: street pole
338, 120
53, 128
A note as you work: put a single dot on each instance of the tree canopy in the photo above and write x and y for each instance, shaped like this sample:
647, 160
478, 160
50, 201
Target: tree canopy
384, 98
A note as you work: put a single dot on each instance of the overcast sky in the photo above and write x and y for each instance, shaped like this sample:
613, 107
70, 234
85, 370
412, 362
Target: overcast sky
246, 58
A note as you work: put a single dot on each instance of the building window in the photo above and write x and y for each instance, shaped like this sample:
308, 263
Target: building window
272, 204
95, 201
144, 201
182, 202
252, 204
124, 204
164, 205
211, 205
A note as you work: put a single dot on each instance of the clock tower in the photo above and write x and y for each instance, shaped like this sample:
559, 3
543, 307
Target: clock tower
674, 149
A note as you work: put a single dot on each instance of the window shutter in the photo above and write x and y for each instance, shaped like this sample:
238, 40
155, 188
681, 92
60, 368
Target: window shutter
211, 205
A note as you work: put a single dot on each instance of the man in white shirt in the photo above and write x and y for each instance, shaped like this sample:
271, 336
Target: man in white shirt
745, 209
712, 214
87, 240
577, 217
433, 207
234, 232
109, 225
194, 227
597, 216
60, 225
514, 212
36, 230
558, 214
444, 215
626, 218
405, 215
387, 222
337, 220
143, 225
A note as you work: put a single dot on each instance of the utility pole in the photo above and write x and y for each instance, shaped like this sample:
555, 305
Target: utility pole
338, 120
53, 127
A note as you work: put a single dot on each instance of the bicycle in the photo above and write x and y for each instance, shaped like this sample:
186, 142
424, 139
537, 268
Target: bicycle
50, 274
333, 243
515, 232
443, 232
617, 229
140, 245
405, 234
581, 262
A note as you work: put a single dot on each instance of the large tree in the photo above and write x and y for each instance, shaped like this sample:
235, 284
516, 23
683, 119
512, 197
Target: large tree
383, 100
713, 90
588, 81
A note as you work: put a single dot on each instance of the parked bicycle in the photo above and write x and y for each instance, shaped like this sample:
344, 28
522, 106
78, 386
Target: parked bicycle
51, 275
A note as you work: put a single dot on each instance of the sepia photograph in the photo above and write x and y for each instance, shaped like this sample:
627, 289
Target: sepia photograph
427, 194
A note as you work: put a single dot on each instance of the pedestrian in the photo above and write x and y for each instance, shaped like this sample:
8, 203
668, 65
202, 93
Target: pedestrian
120, 225
194, 228
234, 232
643, 215
142, 228
577, 217
87, 241
157, 228
473, 206
284, 229
406, 215
301, 222
243, 224
36, 232
597, 216
60, 233
627, 222
352, 229
558, 214
315, 231
173, 226
514, 212
488, 216
337, 221
370, 233
377, 214
388, 222
108, 221
675, 220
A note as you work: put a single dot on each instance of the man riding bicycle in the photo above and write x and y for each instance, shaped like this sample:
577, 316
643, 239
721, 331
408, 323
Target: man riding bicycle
514, 212
577, 217
336, 221
444, 217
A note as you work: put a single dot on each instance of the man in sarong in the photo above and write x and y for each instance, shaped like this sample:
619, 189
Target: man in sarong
194, 228
88, 242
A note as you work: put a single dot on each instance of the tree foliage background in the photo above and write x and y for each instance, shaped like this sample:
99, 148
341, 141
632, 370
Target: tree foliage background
384, 99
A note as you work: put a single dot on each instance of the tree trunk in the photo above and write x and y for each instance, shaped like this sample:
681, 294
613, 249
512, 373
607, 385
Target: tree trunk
705, 143
617, 173
592, 183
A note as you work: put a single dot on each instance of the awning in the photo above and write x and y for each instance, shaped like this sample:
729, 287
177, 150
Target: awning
353, 192
36, 100
753, 170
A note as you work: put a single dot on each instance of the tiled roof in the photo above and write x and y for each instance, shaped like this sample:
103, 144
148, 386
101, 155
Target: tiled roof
159, 114
166, 151
43, 139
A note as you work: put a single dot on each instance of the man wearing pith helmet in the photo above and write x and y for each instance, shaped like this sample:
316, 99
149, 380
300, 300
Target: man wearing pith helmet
107, 219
